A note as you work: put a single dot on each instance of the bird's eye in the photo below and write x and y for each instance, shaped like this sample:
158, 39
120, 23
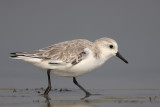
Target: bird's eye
111, 46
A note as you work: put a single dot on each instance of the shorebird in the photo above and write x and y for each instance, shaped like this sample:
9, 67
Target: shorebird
71, 58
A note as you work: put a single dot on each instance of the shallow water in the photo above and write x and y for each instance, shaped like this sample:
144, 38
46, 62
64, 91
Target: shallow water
72, 98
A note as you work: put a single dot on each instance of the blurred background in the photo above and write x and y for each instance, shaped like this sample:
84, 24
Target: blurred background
27, 25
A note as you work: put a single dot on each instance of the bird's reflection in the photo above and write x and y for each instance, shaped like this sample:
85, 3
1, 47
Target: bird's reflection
79, 103
67, 105
83, 98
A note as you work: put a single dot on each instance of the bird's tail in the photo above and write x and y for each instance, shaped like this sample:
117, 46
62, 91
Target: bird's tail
17, 55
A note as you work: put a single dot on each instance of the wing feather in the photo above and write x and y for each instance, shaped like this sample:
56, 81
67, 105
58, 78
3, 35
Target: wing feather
65, 52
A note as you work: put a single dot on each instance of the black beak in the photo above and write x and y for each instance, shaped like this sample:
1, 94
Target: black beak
121, 57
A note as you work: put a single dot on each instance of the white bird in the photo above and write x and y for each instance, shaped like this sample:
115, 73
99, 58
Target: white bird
71, 58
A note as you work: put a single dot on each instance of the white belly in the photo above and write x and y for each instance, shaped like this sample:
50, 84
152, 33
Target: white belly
83, 67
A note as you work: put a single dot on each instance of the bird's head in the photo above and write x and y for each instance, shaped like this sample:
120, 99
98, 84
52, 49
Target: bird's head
108, 48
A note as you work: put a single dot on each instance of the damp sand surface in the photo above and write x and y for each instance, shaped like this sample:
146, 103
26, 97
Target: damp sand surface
73, 98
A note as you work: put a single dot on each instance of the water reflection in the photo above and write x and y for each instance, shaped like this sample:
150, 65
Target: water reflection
103, 100
29, 97
67, 104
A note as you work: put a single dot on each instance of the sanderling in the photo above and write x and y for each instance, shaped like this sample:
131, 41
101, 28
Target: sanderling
71, 58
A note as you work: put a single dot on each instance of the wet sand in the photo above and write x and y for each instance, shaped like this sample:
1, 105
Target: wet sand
73, 98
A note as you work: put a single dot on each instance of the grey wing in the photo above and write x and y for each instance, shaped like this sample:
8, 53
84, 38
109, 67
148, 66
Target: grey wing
68, 53
65, 52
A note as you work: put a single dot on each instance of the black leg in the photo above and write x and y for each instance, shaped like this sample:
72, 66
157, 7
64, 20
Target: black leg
86, 92
49, 83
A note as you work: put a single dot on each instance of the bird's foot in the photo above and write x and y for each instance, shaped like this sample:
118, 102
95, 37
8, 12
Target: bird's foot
46, 96
88, 95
